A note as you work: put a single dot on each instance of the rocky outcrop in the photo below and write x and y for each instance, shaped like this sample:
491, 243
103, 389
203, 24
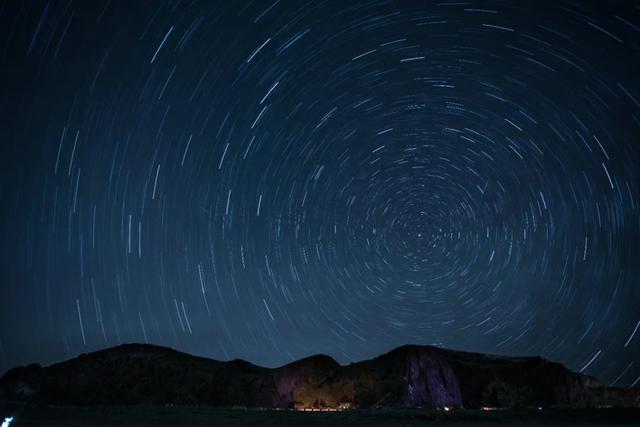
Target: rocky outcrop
409, 376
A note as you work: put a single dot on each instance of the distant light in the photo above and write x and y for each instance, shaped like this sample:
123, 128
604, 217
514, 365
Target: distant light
7, 421
539, 408
446, 408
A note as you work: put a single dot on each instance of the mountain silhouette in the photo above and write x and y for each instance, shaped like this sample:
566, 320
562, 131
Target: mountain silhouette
407, 377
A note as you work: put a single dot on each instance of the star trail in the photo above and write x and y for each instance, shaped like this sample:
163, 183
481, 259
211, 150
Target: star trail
268, 180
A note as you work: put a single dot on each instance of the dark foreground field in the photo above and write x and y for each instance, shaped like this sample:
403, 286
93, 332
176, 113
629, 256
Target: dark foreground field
199, 416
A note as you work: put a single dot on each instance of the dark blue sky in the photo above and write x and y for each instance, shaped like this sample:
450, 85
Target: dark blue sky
271, 179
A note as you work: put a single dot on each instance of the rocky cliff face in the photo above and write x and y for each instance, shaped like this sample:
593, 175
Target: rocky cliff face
409, 376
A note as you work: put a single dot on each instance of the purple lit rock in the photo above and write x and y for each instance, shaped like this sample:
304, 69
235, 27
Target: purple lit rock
431, 381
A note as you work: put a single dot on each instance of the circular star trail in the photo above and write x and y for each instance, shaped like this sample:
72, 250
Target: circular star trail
270, 179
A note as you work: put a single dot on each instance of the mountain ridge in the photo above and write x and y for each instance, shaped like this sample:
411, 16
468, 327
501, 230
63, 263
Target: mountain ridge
406, 376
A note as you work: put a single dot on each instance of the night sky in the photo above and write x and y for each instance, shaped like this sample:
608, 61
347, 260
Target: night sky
268, 180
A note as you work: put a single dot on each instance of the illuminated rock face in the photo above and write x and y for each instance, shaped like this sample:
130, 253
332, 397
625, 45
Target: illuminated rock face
431, 381
409, 376
314, 382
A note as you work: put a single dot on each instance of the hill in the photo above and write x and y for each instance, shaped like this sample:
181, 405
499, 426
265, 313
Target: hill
406, 377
